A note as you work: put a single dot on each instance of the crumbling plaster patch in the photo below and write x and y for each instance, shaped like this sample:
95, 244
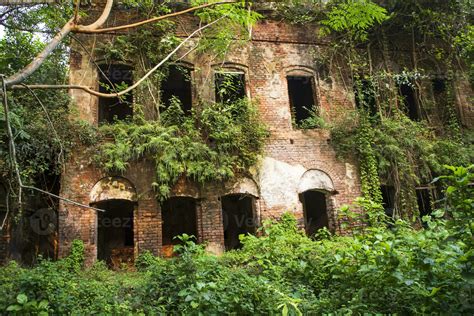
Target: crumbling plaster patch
281, 183
113, 188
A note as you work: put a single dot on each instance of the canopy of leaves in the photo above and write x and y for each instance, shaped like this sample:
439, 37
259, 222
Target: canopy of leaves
42, 134
355, 17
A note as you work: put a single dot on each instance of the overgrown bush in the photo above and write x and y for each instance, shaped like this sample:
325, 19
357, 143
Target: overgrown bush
397, 270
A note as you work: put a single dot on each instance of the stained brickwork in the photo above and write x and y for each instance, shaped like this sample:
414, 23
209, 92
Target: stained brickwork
275, 51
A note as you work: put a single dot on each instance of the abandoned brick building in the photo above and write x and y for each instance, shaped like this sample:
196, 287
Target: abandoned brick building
299, 171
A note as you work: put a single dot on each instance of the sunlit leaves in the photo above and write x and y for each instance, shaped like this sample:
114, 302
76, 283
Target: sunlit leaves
355, 17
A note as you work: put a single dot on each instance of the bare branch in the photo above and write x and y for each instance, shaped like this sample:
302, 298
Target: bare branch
7, 206
136, 84
38, 60
100, 21
67, 28
60, 155
12, 151
80, 29
63, 198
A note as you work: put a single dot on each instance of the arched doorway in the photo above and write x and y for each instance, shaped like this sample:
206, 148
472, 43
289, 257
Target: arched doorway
314, 190
115, 225
315, 211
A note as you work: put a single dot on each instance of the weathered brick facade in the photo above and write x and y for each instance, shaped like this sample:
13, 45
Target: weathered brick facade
291, 155
294, 161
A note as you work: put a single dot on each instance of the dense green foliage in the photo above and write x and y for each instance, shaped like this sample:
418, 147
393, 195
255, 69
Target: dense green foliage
376, 270
406, 152
392, 148
213, 143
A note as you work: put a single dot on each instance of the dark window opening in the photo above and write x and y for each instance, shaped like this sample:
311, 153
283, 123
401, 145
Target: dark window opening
178, 215
408, 101
115, 232
365, 96
238, 218
114, 78
439, 85
315, 211
423, 197
230, 87
388, 199
177, 84
302, 97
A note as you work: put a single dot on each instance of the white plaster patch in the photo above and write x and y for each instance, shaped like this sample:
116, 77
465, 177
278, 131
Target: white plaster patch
279, 183
350, 176
113, 188
245, 186
315, 180
275, 86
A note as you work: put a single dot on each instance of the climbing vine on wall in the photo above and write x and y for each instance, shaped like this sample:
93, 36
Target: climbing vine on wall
392, 148
214, 143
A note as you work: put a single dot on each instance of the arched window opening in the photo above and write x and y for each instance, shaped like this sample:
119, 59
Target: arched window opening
178, 215
229, 86
238, 214
177, 85
114, 78
301, 92
315, 211
115, 240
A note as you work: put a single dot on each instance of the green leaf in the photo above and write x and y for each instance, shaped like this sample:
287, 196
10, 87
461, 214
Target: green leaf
22, 299
14, 308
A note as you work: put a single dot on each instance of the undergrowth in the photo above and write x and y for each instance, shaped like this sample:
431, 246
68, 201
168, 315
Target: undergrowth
397, 270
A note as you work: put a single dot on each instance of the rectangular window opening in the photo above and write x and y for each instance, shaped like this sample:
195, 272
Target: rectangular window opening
408, 101
115, 238
302, 97
441, 97
178, 215
423, 197
177, 85
229, 87
388, 199
113, 78
238, 218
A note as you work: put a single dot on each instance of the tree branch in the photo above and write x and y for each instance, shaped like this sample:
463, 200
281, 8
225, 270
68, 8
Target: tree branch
99, 22
67, 28
158, 18
12, 151
121, 93
38, 60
